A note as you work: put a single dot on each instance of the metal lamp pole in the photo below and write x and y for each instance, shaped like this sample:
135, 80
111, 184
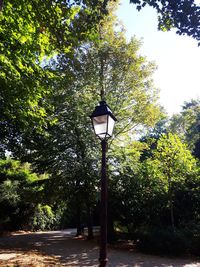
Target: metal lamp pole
103, 123
104, 199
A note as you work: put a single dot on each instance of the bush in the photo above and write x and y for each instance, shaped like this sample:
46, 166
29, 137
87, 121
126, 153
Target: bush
165, 241
17, 194
195, 245
192, 234
162, 241
43, 218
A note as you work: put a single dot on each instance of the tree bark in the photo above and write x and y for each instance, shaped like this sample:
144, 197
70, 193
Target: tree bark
171, 205
79, 226
89, 223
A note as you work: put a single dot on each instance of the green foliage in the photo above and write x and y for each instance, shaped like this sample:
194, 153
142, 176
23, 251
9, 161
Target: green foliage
135, 198
166, 242
68, 152
173, 158
186, 125
182, 15
43, 218
186, 201
32, 33
172, 163
147, 195
162, 241
8, 190
152, 136
17, 193
55, 66
112, 69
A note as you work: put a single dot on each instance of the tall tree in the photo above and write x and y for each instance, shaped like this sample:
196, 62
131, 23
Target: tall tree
113, 69
31, 33
172, 162
110, 68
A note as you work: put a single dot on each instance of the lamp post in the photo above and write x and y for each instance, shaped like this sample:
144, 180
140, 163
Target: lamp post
103, 123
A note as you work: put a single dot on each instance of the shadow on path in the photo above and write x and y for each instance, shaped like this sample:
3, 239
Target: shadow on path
73, 251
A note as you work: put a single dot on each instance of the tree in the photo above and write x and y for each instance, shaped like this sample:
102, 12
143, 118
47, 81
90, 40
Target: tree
152, 136
31, 33
68, 151
18, 194
182, 15
172, 162
112, 69
128, 188
186, 125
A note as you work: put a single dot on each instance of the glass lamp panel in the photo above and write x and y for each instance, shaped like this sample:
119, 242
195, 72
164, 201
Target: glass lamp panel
100, 125
111, 124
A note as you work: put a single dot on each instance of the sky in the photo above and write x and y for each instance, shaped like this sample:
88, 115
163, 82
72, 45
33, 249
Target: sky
177, 57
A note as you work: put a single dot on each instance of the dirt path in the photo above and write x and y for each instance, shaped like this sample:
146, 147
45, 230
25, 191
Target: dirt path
60, 248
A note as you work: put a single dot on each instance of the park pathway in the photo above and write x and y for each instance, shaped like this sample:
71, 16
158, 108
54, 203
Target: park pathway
78, 252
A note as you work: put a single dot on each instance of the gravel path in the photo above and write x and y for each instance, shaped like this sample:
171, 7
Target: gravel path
71, 251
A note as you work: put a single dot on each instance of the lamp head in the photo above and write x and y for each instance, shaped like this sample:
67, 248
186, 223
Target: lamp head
103, 120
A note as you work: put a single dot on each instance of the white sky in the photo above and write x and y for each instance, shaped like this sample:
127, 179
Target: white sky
177, 57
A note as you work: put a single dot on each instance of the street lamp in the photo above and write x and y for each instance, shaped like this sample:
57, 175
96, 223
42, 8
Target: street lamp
103, 123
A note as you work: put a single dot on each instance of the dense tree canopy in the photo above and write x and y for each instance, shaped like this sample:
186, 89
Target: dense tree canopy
56, 64
67, 150
31, 33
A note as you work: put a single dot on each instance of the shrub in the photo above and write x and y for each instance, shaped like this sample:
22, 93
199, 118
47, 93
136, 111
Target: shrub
43, 218
17, 194
192, 234
162, 241
195, 245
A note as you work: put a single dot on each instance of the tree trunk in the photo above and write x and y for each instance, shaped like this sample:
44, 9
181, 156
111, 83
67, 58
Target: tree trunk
111, 230
79, 226
89, 223
171, 205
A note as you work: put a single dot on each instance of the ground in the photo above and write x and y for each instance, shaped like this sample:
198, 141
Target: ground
61, 248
